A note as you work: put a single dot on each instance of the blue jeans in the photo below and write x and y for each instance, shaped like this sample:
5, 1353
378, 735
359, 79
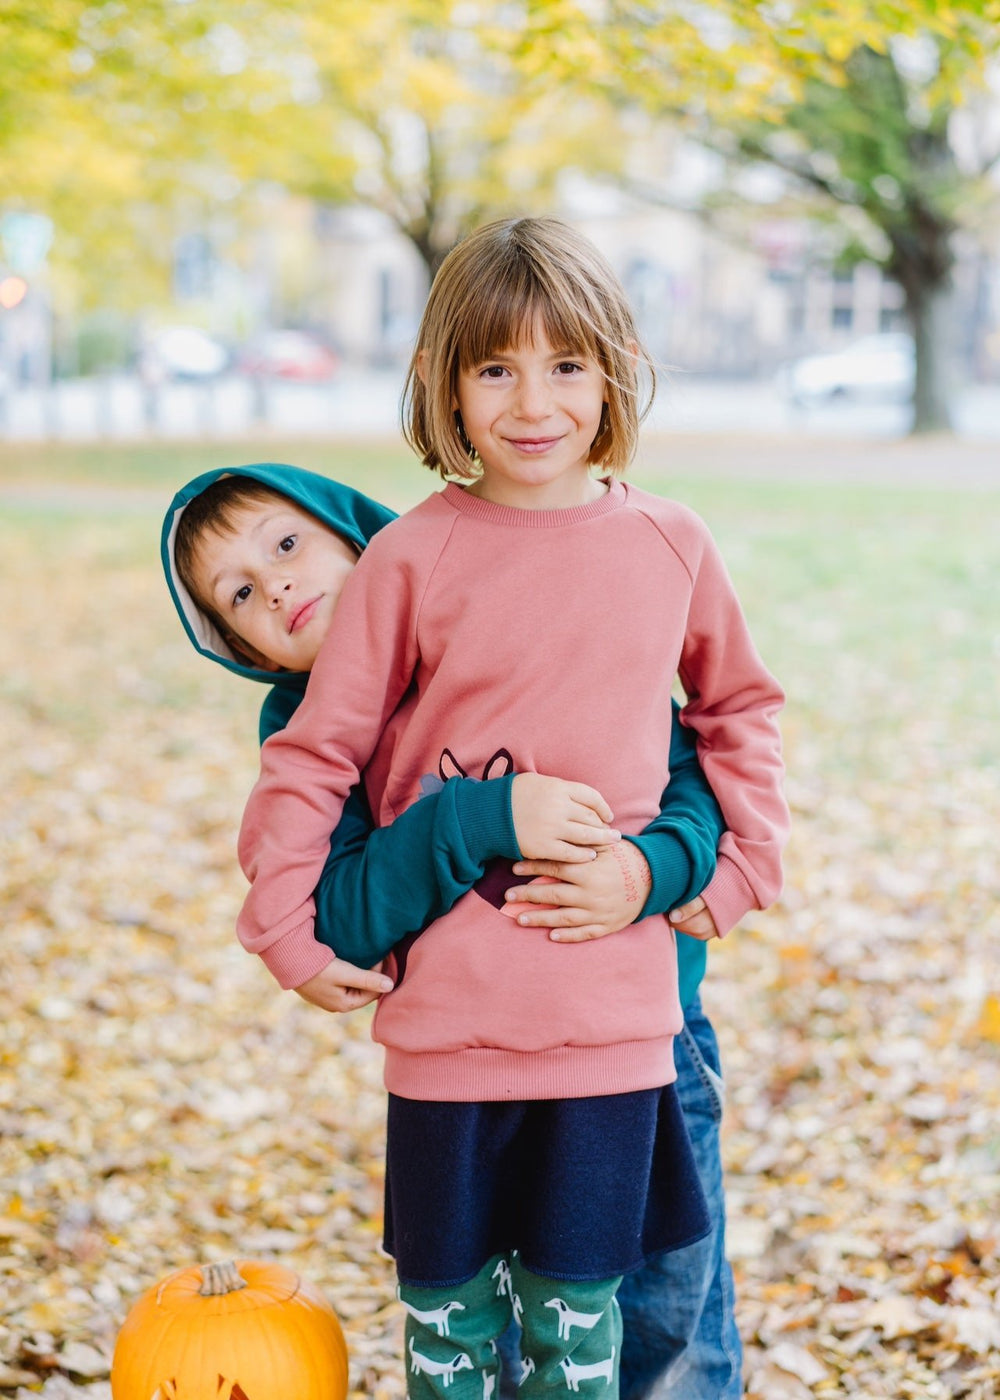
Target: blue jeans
680, 1338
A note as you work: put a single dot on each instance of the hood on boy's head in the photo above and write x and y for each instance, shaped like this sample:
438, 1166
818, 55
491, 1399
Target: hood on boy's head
354, 516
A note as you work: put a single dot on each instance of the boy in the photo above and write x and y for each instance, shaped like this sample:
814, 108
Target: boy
255, 562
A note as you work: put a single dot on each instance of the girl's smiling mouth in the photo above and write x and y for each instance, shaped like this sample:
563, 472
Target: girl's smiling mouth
533, 445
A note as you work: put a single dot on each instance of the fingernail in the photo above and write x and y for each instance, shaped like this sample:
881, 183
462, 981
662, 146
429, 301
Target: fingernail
674, 914
386, 985
555, 935
518, 868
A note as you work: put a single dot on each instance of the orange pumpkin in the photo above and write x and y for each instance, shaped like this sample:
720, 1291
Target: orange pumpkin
246, 1330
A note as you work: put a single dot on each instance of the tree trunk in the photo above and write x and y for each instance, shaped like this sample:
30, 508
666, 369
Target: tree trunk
922, 261
931, 313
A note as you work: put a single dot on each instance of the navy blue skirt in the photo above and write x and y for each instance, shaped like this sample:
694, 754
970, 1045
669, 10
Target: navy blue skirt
583, 1188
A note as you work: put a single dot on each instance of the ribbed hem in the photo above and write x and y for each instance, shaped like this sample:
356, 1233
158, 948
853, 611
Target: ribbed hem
490, 511
486, 1074
670, 867
729, 896
296, 956
487, 821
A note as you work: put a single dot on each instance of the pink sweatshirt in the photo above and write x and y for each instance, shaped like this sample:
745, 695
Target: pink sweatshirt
483, 636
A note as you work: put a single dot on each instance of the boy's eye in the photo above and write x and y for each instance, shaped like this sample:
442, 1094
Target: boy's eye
241, 595
287, 544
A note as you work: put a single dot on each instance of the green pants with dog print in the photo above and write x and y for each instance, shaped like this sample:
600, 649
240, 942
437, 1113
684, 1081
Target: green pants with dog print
571, 1335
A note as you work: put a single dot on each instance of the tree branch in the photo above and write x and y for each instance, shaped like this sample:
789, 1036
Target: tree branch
838, 191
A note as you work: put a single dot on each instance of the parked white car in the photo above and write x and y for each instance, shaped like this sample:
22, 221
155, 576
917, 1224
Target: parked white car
875, 368
183, 352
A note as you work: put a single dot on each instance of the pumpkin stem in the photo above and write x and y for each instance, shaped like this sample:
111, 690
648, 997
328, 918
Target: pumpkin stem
217, 1279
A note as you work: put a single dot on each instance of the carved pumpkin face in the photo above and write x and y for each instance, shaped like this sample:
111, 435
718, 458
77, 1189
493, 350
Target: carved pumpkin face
242, 1331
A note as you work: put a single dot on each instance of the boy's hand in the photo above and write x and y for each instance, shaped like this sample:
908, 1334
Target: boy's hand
555, 820
582, 901
343, 987
694, 918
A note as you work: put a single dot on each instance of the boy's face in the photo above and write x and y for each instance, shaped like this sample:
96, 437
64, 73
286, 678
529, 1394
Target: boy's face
274, 582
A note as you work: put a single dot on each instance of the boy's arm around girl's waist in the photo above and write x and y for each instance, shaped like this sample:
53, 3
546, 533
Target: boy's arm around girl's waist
381, 884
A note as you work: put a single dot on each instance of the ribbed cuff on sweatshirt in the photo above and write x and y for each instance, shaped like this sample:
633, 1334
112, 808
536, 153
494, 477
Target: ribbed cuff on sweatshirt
729, 896
487, 821
670, 867
296, 956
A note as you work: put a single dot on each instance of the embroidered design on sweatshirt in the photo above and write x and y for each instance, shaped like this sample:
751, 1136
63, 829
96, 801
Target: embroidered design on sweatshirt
499, 873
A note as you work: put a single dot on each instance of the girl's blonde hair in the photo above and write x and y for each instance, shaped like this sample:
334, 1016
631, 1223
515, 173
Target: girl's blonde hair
486, 298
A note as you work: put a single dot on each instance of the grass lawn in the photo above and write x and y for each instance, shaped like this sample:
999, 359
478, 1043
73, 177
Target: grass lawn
162, 1104
861, 597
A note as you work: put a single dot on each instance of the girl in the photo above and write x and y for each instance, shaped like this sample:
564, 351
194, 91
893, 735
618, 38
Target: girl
535, 1148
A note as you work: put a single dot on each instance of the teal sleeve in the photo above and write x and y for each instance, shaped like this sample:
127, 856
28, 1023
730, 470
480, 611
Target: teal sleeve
680, 843
381, 884
279, 705
680, 848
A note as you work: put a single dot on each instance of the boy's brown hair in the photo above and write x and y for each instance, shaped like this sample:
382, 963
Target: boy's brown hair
214, 511
485, 299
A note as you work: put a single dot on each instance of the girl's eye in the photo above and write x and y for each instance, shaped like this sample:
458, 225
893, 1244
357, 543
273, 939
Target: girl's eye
241, 595
493, 372
568, 367
287, 544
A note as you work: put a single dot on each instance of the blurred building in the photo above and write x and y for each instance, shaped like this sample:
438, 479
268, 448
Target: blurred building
735, 303
710, 303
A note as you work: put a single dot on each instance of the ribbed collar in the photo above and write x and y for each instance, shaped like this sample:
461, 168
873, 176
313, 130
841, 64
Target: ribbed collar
478, 509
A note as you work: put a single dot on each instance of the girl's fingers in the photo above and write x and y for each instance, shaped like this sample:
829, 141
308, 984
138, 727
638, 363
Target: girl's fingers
362, 979
541, 891
540, 916
687, 911
578, 935
552, 869
574, 855
353, 999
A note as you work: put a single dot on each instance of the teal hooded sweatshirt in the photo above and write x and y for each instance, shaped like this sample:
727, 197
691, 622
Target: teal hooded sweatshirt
383, 884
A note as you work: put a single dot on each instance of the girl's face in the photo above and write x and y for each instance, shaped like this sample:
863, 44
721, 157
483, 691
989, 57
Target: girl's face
274, 583
532, 414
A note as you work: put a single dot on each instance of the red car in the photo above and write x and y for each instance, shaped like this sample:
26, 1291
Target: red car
290, 355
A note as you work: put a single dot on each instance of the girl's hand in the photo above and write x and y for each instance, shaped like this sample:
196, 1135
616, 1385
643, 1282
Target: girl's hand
694, 919
582, 901
343, 987
556, 820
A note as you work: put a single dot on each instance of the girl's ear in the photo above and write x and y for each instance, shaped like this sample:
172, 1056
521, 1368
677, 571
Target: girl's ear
423, 366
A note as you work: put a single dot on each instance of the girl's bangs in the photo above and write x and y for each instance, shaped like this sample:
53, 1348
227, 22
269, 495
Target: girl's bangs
501, 316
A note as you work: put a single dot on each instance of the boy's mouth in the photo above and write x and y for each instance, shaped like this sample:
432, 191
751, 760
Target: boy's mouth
302, 615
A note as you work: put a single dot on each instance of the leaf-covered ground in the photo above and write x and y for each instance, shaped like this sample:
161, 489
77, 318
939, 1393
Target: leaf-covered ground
161, 1103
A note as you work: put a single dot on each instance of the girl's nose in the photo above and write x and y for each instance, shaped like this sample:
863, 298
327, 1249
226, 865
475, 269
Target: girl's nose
534, 396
